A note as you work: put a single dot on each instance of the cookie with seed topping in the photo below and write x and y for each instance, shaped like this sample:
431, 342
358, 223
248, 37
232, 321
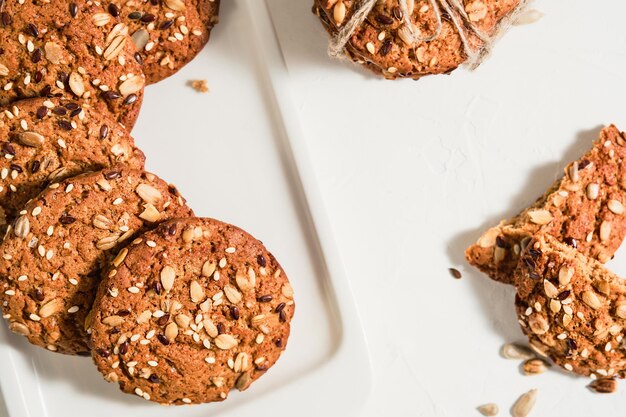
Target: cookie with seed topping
189, 311
167, 33
71, 49
584, 209
385, 45
52, 255
47, 140
571, 308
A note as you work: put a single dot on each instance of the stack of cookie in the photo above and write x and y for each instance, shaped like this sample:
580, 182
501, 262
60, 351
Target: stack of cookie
414, 38
99, 257
571, 308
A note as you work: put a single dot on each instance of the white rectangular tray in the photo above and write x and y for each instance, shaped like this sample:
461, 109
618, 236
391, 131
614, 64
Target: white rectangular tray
238, 155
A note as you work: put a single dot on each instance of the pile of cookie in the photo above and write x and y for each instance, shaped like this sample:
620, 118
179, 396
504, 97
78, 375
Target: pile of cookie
99, 257
572, 309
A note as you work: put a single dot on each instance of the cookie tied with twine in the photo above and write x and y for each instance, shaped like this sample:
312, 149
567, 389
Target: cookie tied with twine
413, 38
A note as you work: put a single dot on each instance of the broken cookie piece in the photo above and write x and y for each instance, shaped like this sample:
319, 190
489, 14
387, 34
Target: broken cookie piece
584, 209
572, 309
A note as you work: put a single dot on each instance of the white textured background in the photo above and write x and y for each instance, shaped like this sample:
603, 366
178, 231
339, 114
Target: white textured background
411, 171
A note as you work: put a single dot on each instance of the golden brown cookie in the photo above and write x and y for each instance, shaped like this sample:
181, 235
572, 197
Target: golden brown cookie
584, 209
571, 308
167, 33
384, 44
45, 140
51, 257
190, 311
72, 49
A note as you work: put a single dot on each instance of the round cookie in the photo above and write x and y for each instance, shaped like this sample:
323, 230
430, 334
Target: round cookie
47, 140
192, 309
71, 49
167, 33
384, 44
51, 257
572, 309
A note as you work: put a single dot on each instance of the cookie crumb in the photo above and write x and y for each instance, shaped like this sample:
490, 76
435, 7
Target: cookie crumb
488, 410
455, 273
200, 86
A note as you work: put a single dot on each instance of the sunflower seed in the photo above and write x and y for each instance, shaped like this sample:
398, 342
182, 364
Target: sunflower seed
516, 351
605, 231
210, 328
130, 86
592, 300
565, 275
243, 282
208, 268
113, 321
144, 317
32, 139
602, 287
76, 84
287, 290
148, 194
171, 331
232, 294
225, 341
616, 207
593, 190
555, 306
120, 257
22, 227
196, 292
410, 6
540, 217
118, 30
524, 404
177, 5
528, 17
488, 410
19, 328
50, 308
168, 275
183, 321
339, 13
550, 289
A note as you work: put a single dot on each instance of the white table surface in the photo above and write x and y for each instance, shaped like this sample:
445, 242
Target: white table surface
412, 171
